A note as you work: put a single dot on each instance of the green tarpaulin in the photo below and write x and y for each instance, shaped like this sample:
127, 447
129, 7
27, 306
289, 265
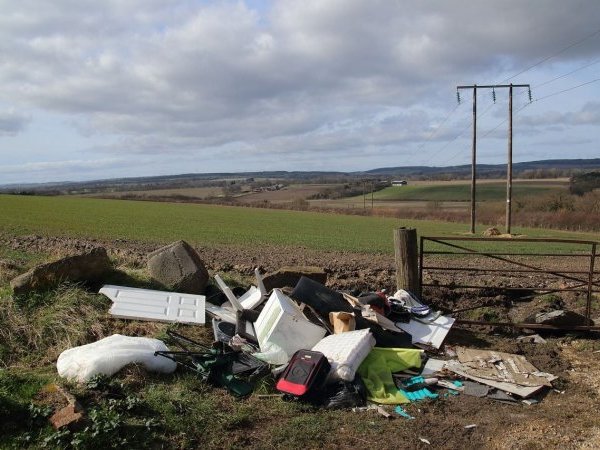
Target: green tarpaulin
377, 368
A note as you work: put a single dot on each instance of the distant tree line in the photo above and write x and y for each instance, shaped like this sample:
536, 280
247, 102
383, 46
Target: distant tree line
350, 190
584, 182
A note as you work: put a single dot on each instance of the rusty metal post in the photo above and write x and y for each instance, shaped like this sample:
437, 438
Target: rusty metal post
588, 305
421, 250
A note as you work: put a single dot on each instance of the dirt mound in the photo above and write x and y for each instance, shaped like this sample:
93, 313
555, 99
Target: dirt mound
491, 232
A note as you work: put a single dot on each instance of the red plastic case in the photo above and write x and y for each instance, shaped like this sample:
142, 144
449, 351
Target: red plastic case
306, 370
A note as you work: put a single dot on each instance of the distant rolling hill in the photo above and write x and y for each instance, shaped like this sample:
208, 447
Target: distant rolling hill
196, 179
486, 169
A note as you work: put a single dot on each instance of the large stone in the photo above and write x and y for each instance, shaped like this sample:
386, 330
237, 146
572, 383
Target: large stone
86, 267
289, 276
68, 416
559, 317
178, 267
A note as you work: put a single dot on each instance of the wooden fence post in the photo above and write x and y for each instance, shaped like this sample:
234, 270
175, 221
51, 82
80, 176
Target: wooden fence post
407, 256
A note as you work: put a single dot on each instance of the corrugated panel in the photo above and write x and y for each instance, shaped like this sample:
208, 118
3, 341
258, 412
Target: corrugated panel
146, 304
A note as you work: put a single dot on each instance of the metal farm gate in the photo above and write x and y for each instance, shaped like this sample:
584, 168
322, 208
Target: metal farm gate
526, 267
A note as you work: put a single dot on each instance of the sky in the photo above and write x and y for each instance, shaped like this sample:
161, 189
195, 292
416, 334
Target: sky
119, 88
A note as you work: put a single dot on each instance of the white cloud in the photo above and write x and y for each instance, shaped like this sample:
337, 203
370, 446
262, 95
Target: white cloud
187, 77
63, 166
589, 114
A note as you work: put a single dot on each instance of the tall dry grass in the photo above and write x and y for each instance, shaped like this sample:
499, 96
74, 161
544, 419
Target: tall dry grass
35, 329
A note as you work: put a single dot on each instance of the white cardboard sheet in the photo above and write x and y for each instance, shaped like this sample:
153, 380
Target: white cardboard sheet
432, 334
433, 366
501, 366
521, 391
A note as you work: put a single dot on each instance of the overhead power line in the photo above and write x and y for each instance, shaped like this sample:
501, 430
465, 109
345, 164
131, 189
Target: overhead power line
462, 131
563, 76
467, 127
574, 44
543, 60
490, 131
540, 99
567, 90
487, 133
567, 74
438, 128
451, 158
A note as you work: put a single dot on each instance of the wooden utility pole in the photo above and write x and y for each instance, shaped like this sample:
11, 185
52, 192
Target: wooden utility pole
474, 160
509, 173
407, 256
371, 194
510, 152
473, 154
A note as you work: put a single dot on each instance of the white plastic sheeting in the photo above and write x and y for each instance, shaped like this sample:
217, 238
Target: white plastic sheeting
109, 355
346, 351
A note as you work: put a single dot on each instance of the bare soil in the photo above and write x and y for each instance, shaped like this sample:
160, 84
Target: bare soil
565, 417
195, 193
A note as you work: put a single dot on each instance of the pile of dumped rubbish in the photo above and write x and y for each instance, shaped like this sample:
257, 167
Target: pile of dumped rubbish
324, 347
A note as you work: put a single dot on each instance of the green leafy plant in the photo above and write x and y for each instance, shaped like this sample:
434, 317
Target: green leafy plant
39, 413
98, 383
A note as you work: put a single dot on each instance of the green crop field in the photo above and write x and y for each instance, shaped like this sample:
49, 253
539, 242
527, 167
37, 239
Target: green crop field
213, 225
462, 192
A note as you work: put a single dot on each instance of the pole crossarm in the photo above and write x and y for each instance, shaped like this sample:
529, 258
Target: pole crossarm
491, 86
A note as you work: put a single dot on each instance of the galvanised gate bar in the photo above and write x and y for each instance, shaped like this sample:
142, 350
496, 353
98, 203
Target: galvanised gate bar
509, 262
